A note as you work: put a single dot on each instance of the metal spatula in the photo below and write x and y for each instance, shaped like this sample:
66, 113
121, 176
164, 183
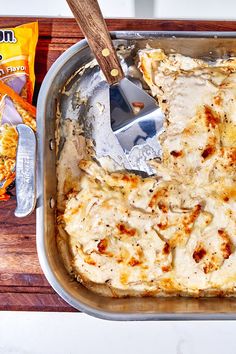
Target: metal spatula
136, 119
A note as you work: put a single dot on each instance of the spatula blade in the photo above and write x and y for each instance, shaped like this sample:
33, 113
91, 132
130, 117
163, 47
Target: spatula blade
140, 141
137, 133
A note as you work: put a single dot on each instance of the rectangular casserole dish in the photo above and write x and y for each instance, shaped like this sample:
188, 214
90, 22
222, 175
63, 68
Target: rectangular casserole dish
208, 46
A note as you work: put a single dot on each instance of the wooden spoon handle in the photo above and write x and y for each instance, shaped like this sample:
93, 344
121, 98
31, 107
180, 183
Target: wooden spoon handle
89, 17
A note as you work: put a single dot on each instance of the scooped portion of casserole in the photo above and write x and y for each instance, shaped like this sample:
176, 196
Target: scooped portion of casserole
173, 233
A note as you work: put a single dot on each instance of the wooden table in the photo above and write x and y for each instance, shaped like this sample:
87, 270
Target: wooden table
22, 284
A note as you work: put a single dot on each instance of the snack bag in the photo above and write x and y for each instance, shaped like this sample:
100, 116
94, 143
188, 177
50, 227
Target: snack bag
13, 110
17, 53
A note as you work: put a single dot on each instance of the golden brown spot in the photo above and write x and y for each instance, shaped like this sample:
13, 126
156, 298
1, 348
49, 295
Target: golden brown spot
134, 262
226, 246
167, 248
228, 134
199, 253
218, 100
187, 131
90, 261
75, 210
130, 231
211, 265
166, 268
124, 278
84, 164
226, 249
233, 155
148, 293
144, 266
168, 285
176, 153
163, 207
140, 252
228, 193
210, 150
189, 220
133, 180
180, 237
208, 217
143, 69
123, 256
163, 226
102, 245
159, 194
211, 117
195, 213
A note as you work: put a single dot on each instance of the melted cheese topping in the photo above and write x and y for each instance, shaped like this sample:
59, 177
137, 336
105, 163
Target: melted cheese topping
174, 233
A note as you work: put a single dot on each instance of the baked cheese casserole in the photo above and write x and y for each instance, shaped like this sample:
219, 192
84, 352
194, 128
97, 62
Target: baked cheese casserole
173, 233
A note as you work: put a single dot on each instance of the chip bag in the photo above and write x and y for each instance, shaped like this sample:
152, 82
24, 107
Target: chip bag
17, 53
13, 111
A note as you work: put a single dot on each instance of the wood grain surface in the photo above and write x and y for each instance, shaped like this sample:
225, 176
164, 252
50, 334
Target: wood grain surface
22, 284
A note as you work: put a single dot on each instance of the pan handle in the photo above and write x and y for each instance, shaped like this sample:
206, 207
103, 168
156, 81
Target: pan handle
89, 17
25, 171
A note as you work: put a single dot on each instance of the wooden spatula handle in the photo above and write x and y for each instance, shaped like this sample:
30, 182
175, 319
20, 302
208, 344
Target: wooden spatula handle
89, 17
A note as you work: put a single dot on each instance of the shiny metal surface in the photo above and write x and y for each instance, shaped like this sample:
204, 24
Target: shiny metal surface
136, 132
25, 171
94, 113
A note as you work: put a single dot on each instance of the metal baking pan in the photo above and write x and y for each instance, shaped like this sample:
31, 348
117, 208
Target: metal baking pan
205, 45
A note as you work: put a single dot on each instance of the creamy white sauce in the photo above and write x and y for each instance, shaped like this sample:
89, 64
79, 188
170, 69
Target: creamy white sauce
190, 205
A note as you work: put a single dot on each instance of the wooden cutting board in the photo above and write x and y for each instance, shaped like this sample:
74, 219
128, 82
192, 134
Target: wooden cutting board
22, 284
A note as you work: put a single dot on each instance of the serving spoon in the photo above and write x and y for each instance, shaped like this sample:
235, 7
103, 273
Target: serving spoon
136, 120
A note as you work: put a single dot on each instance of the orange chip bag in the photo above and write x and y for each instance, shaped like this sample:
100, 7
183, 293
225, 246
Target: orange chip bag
13, 111
17, 53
